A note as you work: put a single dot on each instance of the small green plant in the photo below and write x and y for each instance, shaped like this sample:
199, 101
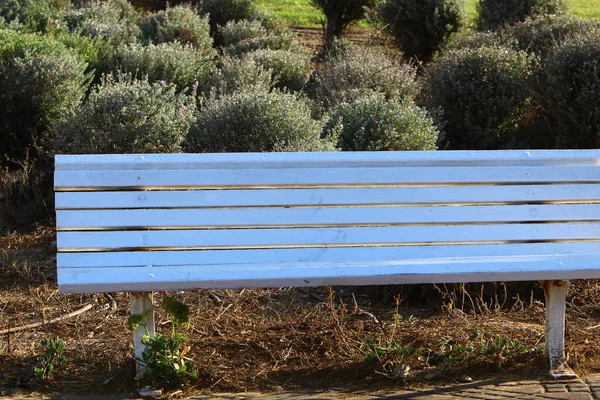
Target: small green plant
53, 357
493, 14
165, 355
421, 27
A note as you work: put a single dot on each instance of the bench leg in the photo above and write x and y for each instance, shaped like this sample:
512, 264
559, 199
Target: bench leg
556, 294
141, 304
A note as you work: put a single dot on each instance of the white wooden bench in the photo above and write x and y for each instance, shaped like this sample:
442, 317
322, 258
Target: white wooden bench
143, 223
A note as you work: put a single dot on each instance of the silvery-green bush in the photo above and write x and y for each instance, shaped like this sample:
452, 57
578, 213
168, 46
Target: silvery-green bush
377, 124
235, 74
256, 121
41, 81
173, 62
493, 14
180, 23
222, 11
126, 115
32, 15
234, 32
290, 70
273, 41
484, 95
357, 72
569, 91
114, 20
543, 34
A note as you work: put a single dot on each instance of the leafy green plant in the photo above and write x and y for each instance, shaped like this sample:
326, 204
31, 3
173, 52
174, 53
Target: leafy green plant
569, 93
32, 15
125, 115
291, 70
165, 355
421, 27
493, 14
181, 23
236, 74
114, 20
41, 82
484, 95
174, 62
222, 11
256, 121
352, 73
377, 124
53, 357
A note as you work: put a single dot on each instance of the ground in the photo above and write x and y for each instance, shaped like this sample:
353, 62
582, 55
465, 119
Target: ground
284, 339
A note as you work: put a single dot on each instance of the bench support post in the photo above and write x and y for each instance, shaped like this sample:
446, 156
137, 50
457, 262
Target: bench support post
556, 294
141, 304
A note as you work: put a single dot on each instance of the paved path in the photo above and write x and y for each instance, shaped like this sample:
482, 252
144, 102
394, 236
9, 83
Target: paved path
573, 389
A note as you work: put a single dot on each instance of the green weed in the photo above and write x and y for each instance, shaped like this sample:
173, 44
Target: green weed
53, 356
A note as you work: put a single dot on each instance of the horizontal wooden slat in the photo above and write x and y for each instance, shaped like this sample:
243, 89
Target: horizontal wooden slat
326, 160
316, 255
316, 237
301, 177
305, 197
343, 216
275, 275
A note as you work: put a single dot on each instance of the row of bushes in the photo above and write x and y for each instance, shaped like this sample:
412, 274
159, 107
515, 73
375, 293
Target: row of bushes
533, 85
422, 27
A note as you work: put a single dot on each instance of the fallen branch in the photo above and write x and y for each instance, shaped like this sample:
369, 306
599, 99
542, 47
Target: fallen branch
47, 322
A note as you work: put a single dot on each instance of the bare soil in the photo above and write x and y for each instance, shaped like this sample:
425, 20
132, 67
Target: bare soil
279, 339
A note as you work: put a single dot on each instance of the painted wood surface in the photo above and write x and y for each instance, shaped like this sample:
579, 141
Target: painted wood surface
325, 218
323, 197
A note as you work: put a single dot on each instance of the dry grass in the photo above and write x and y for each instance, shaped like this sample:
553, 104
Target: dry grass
275, 339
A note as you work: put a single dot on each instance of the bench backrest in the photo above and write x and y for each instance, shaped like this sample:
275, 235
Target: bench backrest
182, 221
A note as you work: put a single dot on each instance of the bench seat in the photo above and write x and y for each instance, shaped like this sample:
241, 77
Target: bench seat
142, 223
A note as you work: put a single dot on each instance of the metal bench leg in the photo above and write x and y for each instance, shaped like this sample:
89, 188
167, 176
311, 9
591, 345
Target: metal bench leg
556, 294
141, 304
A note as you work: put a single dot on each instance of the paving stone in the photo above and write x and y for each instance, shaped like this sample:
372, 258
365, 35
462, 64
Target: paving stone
524, 389
568, 396
578, 388
593, 380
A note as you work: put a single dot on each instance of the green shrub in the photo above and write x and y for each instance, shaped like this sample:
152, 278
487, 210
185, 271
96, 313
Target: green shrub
273, 41
124, 115
97, 52
483, 94
570, 91
114, 20
541, 35
172, 62
32, 15
233, 32
250, 121
421, 27
237, 74
476, 40
40, 81
156, 5
180, 23
377, 124
290, 70
340, 14
222, 11
353, 73
493, 14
